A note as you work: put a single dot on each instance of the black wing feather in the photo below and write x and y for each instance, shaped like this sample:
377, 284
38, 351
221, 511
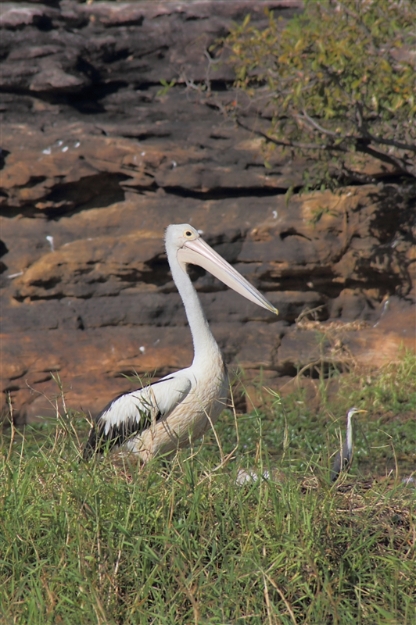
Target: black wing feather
98, 440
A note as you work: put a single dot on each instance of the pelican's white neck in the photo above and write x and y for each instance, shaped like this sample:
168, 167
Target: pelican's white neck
203, 340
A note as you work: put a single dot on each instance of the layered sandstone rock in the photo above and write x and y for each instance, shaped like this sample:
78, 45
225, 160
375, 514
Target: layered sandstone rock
99, 156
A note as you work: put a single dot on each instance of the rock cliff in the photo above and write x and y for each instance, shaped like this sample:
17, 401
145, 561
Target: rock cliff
115, 122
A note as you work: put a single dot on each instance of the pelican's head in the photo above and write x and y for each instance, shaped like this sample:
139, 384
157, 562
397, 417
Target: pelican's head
184, 243
178, 234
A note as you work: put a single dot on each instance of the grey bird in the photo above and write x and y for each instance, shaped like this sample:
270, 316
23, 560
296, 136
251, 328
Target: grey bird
343, 458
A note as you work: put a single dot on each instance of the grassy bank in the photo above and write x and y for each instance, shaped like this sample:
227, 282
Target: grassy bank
105, 543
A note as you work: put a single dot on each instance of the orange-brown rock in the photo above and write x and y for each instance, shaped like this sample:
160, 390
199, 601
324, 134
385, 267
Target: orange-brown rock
98, 157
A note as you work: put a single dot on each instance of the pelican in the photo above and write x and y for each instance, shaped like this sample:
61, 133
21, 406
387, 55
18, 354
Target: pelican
343, 458
180, 407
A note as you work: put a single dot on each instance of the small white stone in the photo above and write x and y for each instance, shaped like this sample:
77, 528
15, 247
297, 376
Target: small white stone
244, 476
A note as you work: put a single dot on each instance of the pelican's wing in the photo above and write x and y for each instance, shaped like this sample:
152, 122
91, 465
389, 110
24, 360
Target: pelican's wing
131, 413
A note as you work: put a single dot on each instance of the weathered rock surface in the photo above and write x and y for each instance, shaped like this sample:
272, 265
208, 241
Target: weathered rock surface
99, 157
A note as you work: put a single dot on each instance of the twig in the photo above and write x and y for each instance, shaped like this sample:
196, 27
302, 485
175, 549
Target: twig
13, 429
317, 126
283, 598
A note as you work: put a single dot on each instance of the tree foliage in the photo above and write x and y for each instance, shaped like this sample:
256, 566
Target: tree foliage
338, 79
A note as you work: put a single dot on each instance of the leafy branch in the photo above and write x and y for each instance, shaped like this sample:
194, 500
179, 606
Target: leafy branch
340, 79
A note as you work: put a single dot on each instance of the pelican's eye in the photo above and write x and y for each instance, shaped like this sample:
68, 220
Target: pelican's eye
188, 234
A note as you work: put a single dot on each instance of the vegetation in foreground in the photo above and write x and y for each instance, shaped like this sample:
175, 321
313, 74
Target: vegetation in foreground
104, 542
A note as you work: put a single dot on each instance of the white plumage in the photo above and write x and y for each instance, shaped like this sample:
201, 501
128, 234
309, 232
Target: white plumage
179, 408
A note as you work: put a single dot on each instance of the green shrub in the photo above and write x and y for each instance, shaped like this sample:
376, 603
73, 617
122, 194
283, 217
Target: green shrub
338, 79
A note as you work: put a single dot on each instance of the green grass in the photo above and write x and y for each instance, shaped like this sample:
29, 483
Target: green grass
105, 543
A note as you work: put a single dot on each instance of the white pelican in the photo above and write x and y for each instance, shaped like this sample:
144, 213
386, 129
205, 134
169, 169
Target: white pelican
179, 408
343, 458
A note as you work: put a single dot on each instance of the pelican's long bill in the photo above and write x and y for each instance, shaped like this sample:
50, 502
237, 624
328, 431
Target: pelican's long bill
197, 252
